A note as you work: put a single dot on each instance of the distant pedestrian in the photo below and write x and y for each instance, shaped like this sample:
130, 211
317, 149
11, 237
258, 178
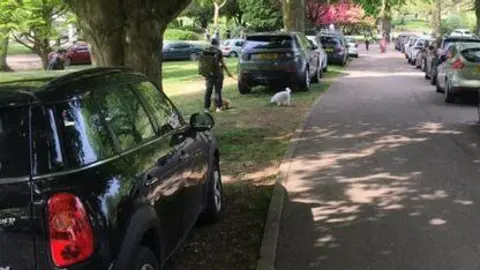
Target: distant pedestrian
383, 45
56, 60
367, 42
228, 34
207, 35
216, 35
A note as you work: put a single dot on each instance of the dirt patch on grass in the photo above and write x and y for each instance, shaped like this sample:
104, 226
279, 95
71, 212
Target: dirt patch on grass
253, 137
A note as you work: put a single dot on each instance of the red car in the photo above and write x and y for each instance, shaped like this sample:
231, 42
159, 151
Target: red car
78, 54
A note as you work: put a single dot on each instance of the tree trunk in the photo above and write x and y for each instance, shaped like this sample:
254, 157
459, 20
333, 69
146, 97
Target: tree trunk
437, 18
42, 49
3, 54
216, 14
294, 15
385, 17
477, 13
127, 33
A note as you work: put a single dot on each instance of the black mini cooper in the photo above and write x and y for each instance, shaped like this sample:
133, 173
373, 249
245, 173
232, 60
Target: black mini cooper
98, 170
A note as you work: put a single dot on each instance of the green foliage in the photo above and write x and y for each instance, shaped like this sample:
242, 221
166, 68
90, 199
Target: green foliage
178, 34
262, 15
374, 7
202, 13
455, 21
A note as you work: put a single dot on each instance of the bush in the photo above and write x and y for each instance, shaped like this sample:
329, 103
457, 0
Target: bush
178, 34
456, 21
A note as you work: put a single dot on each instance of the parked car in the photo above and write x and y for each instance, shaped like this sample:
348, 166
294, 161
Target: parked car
181, 51
461, 33
405, 43
336, 49
399, 42
352, 46
78, 54
440, 50
408, 48
422, 54
315, 40
415, 50
232, 47
100, 171
278, 59
459, 71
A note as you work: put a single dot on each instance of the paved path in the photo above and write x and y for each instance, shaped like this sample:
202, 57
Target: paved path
386, 177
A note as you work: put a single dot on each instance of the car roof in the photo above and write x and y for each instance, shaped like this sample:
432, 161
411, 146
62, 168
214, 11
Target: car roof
54, 88
274, 33
466, 45
461, 38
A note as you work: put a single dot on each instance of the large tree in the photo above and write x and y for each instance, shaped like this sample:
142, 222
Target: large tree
262, 15
5, 28
201, 13
477, 14
127, 33
381, 9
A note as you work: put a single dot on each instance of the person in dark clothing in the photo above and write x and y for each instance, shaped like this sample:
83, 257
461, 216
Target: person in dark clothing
215, 82
57, 60
228, 34
367, 42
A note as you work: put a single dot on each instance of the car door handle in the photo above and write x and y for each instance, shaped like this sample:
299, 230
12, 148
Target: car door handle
184, 155
150, 180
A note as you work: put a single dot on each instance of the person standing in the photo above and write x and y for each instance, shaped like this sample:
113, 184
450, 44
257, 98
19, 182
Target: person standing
228, 34
214, 78
367, 42
207, 35
56, 60
383, 45
216, 35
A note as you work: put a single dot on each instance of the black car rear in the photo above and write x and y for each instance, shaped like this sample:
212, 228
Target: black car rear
97, 166
336, 49
277, 59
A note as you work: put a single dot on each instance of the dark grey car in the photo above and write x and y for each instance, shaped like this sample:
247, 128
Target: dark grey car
278, 59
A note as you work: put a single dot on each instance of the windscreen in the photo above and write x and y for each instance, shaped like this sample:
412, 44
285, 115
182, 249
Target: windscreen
330, 41
472, 54
269, 42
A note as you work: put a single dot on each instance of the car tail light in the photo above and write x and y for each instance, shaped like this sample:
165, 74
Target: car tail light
70, 232
458, 64
226, 48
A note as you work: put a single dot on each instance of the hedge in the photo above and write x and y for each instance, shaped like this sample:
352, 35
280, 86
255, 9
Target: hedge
178, 34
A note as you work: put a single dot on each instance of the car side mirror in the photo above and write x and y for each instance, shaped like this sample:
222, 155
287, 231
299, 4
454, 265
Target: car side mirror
202, 121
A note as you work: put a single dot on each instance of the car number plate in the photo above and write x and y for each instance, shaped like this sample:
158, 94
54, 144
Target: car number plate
329, 50
268, 56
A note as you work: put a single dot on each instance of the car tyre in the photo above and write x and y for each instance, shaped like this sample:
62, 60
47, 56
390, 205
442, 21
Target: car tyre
304, 84
233, 55
424, 65
325, 69
437, 87
68, 62
448, 95
144, 259
214, 201
433, 77
193, 57
318, 74
244, 88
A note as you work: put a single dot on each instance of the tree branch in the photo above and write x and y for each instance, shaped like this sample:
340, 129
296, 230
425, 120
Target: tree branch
22, 43
222, 4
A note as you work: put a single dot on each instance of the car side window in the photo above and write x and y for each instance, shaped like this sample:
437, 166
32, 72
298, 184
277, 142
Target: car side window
68, 135
239, 43
125, 115
165, 114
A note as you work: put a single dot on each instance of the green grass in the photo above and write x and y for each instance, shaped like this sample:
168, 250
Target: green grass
414, 25
253, 137
15, 48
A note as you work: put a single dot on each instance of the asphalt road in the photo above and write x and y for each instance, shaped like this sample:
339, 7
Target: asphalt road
386, 176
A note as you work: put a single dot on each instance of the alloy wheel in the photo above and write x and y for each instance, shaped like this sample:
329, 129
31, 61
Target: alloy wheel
193, 56
217, 190
147, 266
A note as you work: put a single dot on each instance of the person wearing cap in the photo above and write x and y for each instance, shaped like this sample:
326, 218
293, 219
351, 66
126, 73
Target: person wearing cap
216, 81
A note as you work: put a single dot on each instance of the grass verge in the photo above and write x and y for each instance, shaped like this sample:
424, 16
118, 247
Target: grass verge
253, 137
15, 48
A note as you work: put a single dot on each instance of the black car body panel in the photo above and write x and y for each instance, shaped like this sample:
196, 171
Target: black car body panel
180, 51
336, 49
108, 136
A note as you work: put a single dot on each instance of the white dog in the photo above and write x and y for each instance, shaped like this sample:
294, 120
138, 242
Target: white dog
282, 98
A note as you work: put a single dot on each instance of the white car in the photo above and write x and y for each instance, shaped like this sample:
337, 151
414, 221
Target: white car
232, 47
415, 49
352, 46
315, 40
461, 33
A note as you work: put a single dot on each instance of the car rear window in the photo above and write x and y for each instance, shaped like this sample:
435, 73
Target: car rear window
269, 42
68, 135
14, 154
330, 41
471, 55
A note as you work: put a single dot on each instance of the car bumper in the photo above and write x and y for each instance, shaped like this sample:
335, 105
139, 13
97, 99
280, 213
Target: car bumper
336, 58
353, 52
277, 77
463, 86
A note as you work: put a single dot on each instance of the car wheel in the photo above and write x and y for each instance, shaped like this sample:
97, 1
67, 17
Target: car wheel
304, 84
243, 88
144, 260
233, 55
193, 56
68, 62
437, 86
318, 74
433, 76
423, 65
214, 204
478, 105
325, 69
448, 95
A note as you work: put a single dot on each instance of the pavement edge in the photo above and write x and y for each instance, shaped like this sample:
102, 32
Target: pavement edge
268, 250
